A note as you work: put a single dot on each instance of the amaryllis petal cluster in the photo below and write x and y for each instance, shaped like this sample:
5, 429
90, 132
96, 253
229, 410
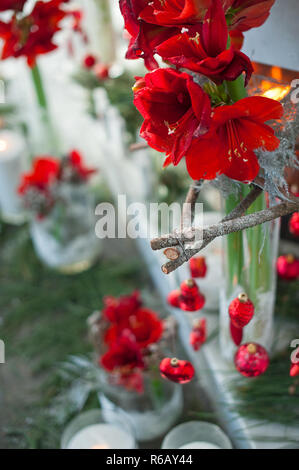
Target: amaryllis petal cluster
129, 330
16, 5
180, 121
151, 23
33, 34
203, 49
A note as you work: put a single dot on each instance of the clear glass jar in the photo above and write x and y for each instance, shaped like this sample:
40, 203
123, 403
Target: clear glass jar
151, 413
65, 239
249, 266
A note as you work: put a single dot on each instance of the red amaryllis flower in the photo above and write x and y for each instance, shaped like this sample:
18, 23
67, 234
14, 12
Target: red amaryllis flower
123, 356
16, 5
203, 49
176, 111
132, 381
144, 325
247, 14
33, 34
116, 310
235, 133
76, 162
45, 171
177, 370
144, 36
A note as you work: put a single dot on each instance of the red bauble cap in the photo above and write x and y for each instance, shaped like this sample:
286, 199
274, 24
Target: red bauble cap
288, 267
198, 266
177, 370
241, 310
198, 334
294, 224
251, 360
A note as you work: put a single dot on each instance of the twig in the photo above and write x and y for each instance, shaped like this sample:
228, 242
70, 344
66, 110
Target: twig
138, 146
190, 201
230, 226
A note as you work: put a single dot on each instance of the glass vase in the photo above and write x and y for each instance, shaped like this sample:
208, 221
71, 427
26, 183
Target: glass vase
151, 413
249, 266
65, 239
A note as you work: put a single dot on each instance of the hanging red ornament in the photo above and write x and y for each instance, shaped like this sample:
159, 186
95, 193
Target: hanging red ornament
294, 371
236, 333
288, 267
294, 224
198, 266
177, 370
173, 298
241, 310
191, 298
251, 360
89, 61
198, 334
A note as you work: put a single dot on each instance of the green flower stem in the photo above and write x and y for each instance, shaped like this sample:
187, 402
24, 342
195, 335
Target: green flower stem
43, 104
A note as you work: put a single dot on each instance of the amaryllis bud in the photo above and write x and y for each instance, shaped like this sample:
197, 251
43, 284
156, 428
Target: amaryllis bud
236, 333
89, 61
288, 267
251, 360
140, 83
191, 298
294, 224
198, 334
173, 298
177, 370
241, 310
198, 266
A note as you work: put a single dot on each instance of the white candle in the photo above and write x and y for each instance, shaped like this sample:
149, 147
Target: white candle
199, 445
12, 149
102, 436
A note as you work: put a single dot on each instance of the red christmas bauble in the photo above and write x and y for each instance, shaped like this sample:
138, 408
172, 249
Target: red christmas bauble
251, 360
198, 266
177, 370
173, 298
288, 267
294, 371
191, 298
241, 310
198, 334
294, 224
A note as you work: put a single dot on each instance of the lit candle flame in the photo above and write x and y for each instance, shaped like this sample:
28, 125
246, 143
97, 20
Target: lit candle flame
277, 92
3, 145
100, 446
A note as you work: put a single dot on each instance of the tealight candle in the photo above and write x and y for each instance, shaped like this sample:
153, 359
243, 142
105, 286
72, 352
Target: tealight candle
101, 436
199, 445
12, 148
89, 431
196, 435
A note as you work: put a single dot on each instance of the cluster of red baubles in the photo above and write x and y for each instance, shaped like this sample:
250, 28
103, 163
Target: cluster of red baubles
32, 34
100, 70
182, 119
130, 330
